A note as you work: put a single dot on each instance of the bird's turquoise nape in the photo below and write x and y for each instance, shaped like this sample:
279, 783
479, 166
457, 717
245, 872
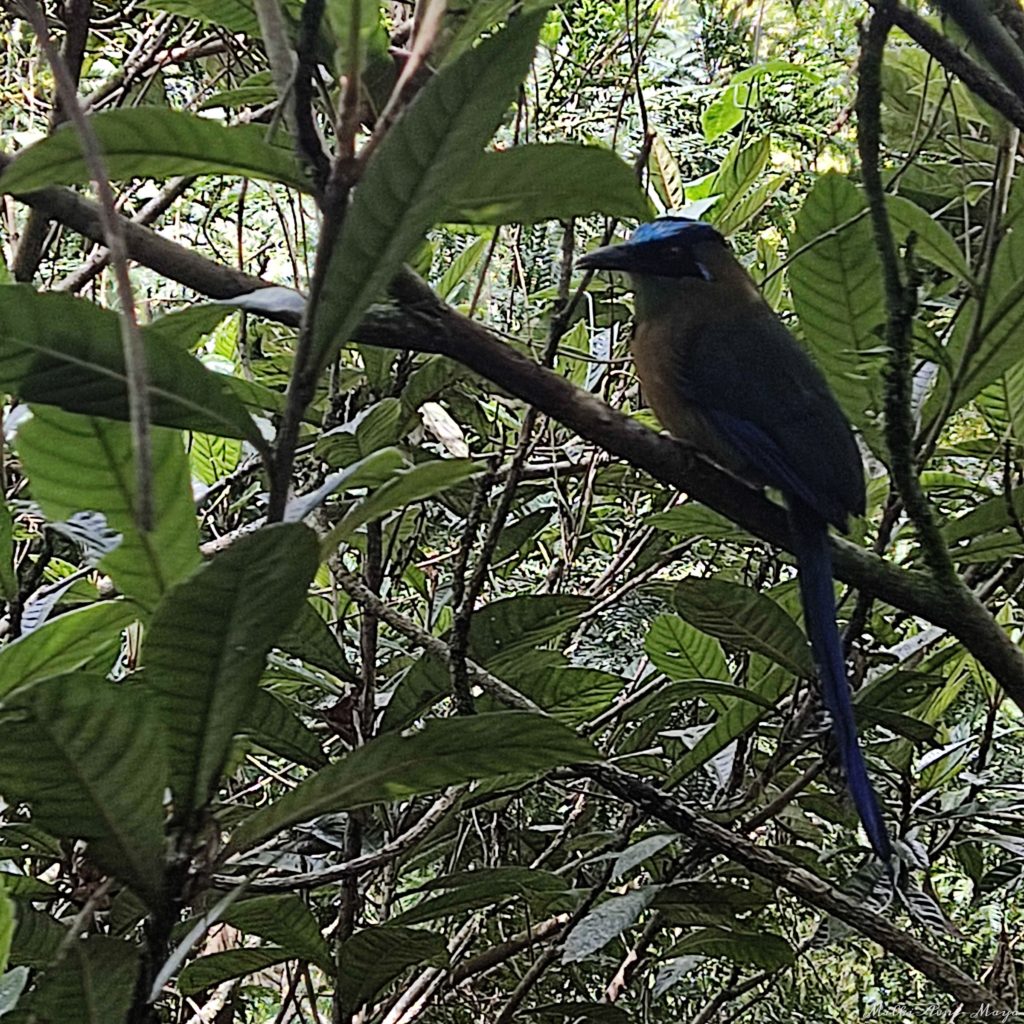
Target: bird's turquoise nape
723, 373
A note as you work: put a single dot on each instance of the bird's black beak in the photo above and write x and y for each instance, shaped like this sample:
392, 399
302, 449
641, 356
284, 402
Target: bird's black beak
609, 257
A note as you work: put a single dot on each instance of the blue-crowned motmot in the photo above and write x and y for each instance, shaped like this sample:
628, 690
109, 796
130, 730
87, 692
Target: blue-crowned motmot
723, 374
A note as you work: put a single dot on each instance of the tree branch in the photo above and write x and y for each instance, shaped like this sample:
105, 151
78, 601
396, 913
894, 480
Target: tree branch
418, 320
796, 880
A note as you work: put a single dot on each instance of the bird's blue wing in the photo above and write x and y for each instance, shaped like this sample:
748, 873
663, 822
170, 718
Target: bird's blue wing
762, 394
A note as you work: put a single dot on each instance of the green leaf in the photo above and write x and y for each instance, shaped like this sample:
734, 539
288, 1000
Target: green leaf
504, 631
430, 151
207, 644
933, 242
37, 938
404, 487
607, 921
762, 949
186, 328
346, 19
734, 721
724, 113
87, 755
274, 726
374, 428
84, 463
153, 142
93, 983
445, 752
8, 577
374, 957
285, 921
998, 346
699, 902
695, 521
455, 274
571, 695
667, 175
234, 15
836, 281
64, 644
744, 618
683, 652
742, 166
59, 350
531, 183
312, 640
469, 890
210, 971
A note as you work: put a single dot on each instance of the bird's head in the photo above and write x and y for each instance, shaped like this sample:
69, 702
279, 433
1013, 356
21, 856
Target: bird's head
672, 247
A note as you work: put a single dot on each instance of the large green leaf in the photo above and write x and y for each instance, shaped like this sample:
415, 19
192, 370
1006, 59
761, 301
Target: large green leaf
607, 921
88, 757
210, 971
998, 344
503, 638
375, 956
932, 241
737, 717
468, 890
59, 350
273, 725
234, 15
762, 949
436, 145
503, 632
93, 983
64, 644
744, 618
84, 463
568, 693
838, 293
207, 644
445, 752
405, 486
538, 182
684, 652
285, 921
153, 142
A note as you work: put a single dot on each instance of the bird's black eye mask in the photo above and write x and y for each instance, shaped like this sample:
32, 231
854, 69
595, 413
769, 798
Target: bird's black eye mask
663, 248
669, 258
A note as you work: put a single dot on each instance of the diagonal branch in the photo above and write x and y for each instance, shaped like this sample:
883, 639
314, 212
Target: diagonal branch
419, 321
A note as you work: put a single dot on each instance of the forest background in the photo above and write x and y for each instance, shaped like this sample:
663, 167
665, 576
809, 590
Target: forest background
382, 662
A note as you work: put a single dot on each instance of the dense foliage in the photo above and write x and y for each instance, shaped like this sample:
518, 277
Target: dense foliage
366, 653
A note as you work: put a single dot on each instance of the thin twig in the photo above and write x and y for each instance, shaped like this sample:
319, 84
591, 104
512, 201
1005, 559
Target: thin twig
131, 336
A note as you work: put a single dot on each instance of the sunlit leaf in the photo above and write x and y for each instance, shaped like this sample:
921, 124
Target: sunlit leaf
434, 146
153, 142
58, 350
538, 182
85, 463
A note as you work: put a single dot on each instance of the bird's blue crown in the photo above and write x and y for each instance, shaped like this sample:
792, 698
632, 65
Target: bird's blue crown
679, 228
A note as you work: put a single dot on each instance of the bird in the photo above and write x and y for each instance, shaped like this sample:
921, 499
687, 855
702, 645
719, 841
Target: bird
724, 375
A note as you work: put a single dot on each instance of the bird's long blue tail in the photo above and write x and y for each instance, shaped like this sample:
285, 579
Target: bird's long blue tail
810, 536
